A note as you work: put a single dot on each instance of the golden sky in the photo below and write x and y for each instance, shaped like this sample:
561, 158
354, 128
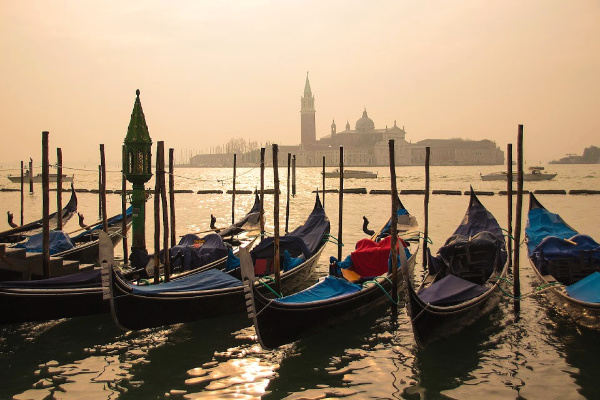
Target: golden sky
212, 70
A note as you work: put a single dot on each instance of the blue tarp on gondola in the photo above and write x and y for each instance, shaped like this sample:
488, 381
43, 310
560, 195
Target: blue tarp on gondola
542, 223
554, 247
587, 289
303, 240
59, 242
450, 289
78, 280
208, 280
193, 251
326, 289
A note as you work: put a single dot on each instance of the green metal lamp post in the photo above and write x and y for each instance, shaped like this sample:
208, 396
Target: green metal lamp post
136, 166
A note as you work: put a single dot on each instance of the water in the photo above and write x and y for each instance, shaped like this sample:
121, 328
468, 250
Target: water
542, 355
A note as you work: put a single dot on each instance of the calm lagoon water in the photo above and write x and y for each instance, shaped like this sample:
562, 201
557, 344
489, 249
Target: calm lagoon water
540, 355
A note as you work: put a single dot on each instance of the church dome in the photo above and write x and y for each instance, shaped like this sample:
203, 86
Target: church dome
365, 124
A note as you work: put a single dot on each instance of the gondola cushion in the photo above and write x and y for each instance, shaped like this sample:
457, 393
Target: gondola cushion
194, 252
371, 258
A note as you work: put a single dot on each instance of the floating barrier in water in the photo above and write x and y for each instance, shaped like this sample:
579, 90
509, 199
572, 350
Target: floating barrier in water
480, 193
209, 191
448, 192
239, 191
504, 192
267, 191
183, 191
412, 191
550, 191
584, 191
380, 191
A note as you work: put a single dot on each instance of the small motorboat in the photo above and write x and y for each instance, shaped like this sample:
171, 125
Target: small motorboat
351, 174
38, 178
536, 174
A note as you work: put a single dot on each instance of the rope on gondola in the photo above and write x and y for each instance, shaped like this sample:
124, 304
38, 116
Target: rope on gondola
536, 290
395, 302
335, 240
261, 281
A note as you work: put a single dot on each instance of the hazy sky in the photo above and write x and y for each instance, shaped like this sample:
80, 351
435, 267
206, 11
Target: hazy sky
212, 70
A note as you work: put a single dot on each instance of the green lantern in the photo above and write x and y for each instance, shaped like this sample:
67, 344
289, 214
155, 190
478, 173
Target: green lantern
137, 161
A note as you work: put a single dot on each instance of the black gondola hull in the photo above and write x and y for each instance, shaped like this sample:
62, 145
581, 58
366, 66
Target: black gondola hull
134, 312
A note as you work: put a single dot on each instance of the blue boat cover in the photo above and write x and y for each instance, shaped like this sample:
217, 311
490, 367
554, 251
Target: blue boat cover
303, 240
84, 279
552, 247
386, 229
290, 262
328, 288
110, 222
587, 289
59, 242
542, 223
450, 289
211, 279
232, 261
193, 251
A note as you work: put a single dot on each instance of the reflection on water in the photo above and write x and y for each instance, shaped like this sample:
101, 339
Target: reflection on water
542, 355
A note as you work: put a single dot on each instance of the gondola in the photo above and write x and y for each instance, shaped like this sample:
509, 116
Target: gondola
84, 246
76, 294
20, 233
566, 263
213, 293
348, 292
462, 281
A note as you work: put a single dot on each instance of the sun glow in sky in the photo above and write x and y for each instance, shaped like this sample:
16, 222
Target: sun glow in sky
209, 71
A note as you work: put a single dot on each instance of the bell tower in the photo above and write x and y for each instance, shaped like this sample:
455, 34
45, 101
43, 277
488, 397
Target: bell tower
308, 131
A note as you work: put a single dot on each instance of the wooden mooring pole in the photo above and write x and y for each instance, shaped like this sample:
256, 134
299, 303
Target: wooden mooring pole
30, 175
103, 189
516, 258
165, 210
287, 203
394, 222
509, 194
172, 195
124, 210
294, 175
157, 219
99, 192
341, 204
233, 193
323, 199
276, 258
426, 206
262, 193
45, 205
22, 195
59, 222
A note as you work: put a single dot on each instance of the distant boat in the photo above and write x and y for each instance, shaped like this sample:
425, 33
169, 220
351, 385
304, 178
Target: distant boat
351, 174
38, 178
536, 174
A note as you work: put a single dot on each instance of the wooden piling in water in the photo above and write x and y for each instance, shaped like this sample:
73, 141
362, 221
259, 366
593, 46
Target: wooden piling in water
59, 222
172, 195
124, 210
323, 199
394, 222
287, 203
341, 204
30, 175
103, 189
45, 205
22, 195
509, 194
165, 213
262, 193
516, 257
157, 220
276, 258
426, 206
294, 175
233, 193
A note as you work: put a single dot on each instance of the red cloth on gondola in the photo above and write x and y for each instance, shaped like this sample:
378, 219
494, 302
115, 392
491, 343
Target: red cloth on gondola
371, 258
